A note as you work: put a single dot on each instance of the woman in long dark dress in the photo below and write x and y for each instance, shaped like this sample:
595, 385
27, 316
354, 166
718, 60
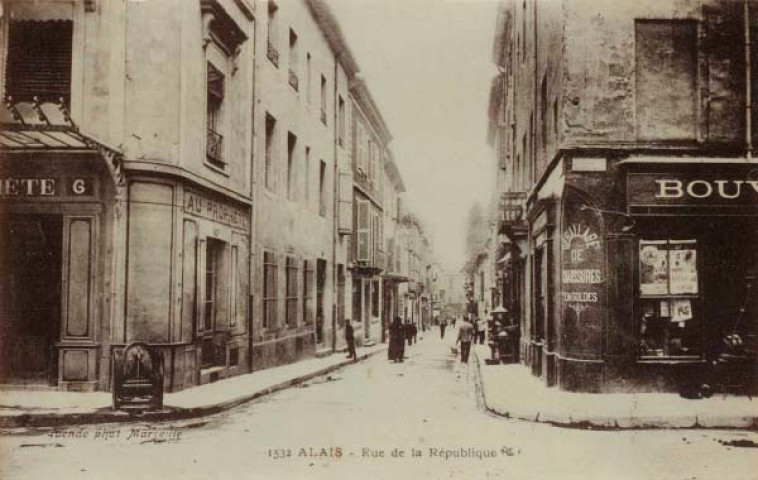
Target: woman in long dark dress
397, 341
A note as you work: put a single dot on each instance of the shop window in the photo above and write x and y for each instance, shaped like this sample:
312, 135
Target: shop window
211, 353
269, 290
307, 292
375, 299
290, 306
670, 325
214, 148
341, 294
38, 62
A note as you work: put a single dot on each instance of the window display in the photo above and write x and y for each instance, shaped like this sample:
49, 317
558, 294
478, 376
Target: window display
669, 324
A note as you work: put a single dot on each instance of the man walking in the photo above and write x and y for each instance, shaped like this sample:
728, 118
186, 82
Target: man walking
443, 325
350, 339
465, 337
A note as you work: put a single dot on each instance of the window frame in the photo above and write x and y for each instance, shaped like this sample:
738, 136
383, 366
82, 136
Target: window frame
270, 291
291, 298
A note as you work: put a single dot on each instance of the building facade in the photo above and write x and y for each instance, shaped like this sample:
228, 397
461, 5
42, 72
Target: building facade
126, 188
624, 141
185, 174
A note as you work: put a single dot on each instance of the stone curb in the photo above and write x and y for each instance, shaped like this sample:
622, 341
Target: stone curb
107, 415
566, 420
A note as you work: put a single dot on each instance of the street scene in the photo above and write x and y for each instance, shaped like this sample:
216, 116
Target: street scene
346, 424
379, 238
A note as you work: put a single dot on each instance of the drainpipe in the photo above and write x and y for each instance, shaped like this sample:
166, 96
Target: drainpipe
748, 88
254, 208
335, 201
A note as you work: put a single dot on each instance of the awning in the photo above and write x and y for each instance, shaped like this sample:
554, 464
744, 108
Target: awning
394, 277
47, 127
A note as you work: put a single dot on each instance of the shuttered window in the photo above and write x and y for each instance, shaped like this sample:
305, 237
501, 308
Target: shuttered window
39, 60
363, 227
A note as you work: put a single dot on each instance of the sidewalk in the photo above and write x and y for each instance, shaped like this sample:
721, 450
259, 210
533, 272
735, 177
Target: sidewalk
40, 408
512, 391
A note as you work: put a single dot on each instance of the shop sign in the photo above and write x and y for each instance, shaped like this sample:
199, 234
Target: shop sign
718, 189
45, 187
204, 207
582, 260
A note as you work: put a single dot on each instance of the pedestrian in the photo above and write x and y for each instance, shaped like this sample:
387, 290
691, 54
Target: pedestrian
350, 339
465, 337
414, 332
481, 329
408, 329
443, 325
397, 341
455, 318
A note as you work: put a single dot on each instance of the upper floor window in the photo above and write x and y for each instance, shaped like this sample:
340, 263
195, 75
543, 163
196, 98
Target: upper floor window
666, 65
272, 44
38, 62
294, 60
270, 156
323, 99
322, 189
342, 122
291, 163
214, 103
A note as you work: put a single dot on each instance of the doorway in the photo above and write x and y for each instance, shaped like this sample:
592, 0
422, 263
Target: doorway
30, 298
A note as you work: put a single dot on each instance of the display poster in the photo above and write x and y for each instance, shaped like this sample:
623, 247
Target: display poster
654, 271
683, 269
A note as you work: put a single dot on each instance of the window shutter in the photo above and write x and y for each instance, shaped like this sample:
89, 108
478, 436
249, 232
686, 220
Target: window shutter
364, 226
345, 203
39, 60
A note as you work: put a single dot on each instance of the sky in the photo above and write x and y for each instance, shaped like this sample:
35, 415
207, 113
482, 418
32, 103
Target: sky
428, 65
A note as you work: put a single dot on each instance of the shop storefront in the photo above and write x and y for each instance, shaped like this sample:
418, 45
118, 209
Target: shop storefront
650, 265
58, 196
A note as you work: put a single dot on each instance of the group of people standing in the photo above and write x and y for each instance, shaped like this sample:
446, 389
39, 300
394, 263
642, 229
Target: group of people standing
399, 334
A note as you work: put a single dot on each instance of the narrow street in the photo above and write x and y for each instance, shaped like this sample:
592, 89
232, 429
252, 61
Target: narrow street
347, 425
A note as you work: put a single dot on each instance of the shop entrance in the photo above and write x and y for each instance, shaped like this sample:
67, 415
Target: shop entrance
30, 298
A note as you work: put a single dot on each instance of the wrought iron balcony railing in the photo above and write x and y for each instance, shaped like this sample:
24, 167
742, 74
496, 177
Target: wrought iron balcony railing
273, 54
512, 206
214, 147
293, 80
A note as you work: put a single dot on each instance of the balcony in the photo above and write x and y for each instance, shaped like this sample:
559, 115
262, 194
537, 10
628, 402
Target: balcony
293, 80
273, 54
512, 209
214, 147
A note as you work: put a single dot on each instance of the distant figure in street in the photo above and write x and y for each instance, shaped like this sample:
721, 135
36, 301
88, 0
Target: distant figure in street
350, 339
408, 330
481, 328
397, 341
455, 318
414, 332
465, 337
443, 325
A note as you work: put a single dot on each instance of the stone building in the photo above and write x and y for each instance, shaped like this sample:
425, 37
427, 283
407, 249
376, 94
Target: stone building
126, 188
369, 147
624, 137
